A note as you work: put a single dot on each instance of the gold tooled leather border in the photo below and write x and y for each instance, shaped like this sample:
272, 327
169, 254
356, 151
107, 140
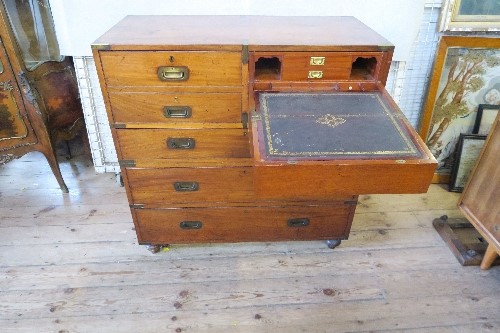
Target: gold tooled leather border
271, 151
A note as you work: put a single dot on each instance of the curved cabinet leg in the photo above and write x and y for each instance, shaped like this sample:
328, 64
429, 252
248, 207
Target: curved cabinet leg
54, 165
333, 243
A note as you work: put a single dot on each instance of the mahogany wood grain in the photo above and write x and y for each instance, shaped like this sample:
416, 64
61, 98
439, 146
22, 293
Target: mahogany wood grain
240, 224
265, 33
147, 144
296, 66
154, 187
239, 198
316, 180
338, 66
149, 107
141, 68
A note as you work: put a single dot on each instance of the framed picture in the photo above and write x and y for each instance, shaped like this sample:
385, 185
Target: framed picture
470, 15
468, 150
486, 115
466, 74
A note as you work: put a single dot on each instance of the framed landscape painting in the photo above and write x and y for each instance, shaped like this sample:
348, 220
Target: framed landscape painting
466, 74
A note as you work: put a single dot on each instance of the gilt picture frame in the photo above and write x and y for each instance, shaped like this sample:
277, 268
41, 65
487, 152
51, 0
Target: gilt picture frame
470, 15
466, 73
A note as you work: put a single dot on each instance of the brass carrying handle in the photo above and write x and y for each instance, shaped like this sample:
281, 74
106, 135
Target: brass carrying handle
177, 111
298, 222
317, 61
189, 225
186, 186
173, 73
181, 143
315, 75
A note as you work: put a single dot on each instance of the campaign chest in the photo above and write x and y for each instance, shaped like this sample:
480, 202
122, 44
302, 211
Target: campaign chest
250, 128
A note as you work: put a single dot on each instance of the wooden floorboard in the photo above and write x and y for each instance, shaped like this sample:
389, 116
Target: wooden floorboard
71, 263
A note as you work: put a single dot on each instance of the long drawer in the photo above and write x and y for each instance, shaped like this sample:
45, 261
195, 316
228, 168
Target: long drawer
171, 68
189, 186
137, 144
240, 224
176, 107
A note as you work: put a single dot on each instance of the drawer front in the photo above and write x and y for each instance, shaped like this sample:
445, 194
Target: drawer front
189, 186
137, 144
176, 108
162, 68
241, 224
300, 67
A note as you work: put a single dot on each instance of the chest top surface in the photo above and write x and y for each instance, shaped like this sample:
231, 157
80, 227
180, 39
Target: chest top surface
343, 33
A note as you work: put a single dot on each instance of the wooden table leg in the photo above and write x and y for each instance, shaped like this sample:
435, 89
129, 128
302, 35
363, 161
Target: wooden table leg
489, 256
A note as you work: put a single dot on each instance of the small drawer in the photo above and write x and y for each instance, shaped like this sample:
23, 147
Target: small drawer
190, 186
243, 224
147, 144
164, 68
300, 67
176, 108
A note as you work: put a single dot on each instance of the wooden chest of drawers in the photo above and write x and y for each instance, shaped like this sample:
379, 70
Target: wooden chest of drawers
183, 103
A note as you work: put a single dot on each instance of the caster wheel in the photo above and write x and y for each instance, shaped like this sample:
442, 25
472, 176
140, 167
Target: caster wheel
156, 248
333, 243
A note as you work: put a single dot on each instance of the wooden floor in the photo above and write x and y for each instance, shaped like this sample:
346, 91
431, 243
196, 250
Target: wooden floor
71, 263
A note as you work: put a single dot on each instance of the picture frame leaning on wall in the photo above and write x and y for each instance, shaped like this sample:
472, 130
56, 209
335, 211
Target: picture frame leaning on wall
470, 15
466, 74
468, 150
486, 115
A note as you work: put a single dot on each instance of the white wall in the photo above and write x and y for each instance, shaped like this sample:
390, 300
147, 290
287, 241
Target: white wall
80, 22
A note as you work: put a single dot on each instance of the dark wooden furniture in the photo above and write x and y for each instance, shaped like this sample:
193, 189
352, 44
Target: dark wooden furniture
480, 199
39, 100
185, 99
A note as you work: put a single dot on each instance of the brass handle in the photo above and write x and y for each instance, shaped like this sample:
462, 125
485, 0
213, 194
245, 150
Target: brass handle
298, 222
177, 111
189, 225
315, 75
181, 143
317, 61
186, 186
169, 73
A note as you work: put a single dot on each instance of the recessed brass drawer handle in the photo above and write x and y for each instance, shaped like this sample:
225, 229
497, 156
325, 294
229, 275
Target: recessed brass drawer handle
186, 186
170, 73
177, 111
317, 61
298, 222
189, 225
181, 143
315, 75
